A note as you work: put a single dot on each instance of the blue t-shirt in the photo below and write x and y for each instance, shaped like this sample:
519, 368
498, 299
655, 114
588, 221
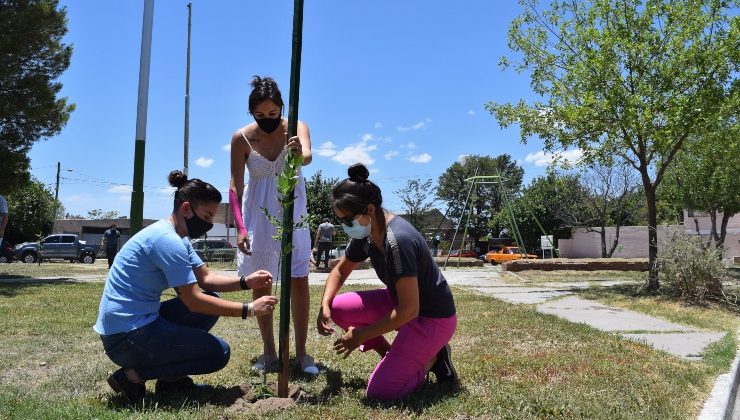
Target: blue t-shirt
153, 260
405, 254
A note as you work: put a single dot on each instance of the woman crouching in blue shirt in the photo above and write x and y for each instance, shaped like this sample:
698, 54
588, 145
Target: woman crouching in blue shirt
169, 341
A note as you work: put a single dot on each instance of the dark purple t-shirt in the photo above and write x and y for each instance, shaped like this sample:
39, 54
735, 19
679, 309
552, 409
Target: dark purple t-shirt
406, 254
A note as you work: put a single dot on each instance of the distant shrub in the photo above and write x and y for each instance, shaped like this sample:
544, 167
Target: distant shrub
690, 270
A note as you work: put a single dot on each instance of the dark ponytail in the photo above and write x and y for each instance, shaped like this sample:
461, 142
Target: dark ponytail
193, 190
263, 89
353, 194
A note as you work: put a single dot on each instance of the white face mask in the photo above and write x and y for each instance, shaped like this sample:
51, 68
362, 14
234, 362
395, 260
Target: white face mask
357, 231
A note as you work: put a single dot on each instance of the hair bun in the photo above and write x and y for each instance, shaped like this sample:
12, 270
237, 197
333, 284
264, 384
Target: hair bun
358, 173
177, 179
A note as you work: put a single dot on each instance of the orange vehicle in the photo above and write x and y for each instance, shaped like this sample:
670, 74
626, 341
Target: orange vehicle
507, 253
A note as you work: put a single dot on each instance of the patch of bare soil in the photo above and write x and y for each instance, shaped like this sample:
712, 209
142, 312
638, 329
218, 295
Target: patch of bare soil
247, 398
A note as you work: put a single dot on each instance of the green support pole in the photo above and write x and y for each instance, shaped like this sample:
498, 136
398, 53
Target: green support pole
287, 238
137, 193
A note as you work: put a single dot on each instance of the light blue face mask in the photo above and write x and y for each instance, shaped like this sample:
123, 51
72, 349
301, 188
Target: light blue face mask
357, 231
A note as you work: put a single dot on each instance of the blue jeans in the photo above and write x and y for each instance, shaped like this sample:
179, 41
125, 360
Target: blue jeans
176, 344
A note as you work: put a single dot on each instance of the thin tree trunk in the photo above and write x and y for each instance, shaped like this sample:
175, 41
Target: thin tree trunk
723, 229
602, 233
614, 244
652, 283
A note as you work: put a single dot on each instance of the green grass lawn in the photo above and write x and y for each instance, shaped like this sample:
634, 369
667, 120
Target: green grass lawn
514, 363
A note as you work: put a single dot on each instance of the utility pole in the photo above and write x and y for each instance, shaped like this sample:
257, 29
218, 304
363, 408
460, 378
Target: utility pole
56, 193
187, 97
137, 194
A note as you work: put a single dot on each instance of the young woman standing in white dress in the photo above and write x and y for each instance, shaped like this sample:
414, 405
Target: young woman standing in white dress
261, 147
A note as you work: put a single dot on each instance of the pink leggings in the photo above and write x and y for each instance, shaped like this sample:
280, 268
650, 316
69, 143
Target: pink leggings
402, 369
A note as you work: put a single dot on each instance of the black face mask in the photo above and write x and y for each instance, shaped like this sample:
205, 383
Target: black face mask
197, 226
268, 125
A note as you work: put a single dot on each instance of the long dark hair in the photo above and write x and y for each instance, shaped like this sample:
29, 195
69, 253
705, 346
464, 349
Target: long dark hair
352, 195
193, 190
264, 88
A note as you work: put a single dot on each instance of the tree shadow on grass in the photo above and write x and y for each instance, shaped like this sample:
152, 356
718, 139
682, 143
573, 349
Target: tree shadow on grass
420, 400
12, 287
429, 394
173, 401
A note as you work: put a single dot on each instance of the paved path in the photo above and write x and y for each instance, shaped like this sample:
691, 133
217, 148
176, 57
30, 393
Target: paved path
558, 299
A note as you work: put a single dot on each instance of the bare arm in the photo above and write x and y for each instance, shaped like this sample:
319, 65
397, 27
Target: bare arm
305, 136
239, 154
334, 282
407, 289
3, 223
215, 282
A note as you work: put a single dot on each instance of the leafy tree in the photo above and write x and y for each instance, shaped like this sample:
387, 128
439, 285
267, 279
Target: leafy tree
99, 214
417, 201
318, 192
30, 213
32, 57
540, 206
629, 78
608, 198
705, 178
485, 199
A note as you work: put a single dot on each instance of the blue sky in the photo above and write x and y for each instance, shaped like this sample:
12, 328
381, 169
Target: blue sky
398, 85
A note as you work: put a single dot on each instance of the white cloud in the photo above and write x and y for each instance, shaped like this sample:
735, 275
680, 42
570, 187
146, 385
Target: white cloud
367, 137
226, 147
410, 145
374, 171
471, 112
124, 198
326, 149
542, 158
378, 125
422, 158
166, 190
120, 189
204, 162
417, 126
356, 153
79, 198
390, 155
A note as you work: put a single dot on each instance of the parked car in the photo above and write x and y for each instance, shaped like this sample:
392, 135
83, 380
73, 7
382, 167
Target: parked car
507, 253
214, 249
466, 253
6, 252
63, 246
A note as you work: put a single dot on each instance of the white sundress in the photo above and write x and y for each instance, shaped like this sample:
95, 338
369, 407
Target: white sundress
261, 192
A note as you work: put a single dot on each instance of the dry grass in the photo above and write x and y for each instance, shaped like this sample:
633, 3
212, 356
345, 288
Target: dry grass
514, 363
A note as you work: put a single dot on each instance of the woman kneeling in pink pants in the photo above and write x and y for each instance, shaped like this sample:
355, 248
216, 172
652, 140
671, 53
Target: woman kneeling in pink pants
417, 302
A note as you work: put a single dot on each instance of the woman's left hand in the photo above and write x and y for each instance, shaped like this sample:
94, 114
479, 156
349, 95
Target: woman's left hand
294, 145
348, 343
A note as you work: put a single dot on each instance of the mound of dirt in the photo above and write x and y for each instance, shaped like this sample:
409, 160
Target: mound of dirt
245, 398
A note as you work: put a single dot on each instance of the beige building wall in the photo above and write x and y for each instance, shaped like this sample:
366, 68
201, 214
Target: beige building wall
633, 241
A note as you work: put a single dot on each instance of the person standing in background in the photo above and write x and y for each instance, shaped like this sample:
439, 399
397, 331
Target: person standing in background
112, 243
3, 217
324, 240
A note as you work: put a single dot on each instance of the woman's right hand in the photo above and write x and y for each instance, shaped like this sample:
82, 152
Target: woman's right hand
323, 322
264, 305
242, 242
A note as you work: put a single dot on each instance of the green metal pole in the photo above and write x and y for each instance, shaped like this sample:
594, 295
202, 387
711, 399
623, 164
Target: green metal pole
287, 238
137, 194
